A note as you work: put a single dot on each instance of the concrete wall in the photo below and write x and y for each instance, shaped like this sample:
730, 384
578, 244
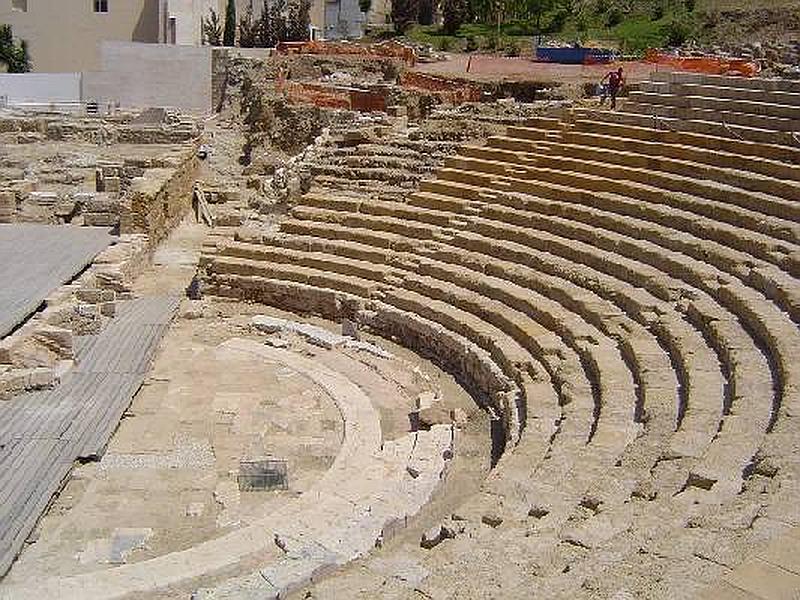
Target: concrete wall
144, 75
40, 87
343, 19
187, 15
64, 35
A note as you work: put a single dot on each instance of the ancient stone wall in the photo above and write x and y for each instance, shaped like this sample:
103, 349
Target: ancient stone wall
158, 201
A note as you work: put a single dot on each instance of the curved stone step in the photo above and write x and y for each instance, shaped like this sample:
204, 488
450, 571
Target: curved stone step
711, 136
604, 135
648, 363
770, 189
749, 83
756, 103
768, 279
756, 380
712, 200
629, 199
342, 524
763, 321
710, 418
729, 117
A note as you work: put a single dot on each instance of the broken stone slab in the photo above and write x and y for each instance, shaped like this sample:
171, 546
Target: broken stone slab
57, 339
315, 335
433, 415
350, 329
492, 520
94, 295
43, 198
100, 219
16, 381
436, 535
425, 400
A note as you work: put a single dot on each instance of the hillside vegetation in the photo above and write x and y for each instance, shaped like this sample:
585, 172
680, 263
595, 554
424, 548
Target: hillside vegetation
629, 25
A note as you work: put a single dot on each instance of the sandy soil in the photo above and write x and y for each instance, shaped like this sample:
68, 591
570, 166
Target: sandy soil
490, 68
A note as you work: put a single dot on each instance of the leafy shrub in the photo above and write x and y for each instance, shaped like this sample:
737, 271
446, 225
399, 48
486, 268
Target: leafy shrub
511, 49
471, 43
676, 33
659, 10
614, 17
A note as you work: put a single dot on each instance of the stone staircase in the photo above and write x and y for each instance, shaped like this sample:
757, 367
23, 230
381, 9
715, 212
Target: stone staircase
620, 292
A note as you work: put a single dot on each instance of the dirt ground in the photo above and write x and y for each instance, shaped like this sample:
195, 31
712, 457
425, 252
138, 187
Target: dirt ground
490, 68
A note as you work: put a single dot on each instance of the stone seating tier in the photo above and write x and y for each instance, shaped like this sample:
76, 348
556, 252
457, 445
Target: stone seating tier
618, 291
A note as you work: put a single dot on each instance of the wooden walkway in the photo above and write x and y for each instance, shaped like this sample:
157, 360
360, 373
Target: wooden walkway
36, 259
43, 433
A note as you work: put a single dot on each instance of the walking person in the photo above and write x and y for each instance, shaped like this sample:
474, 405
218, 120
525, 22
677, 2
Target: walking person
615, 81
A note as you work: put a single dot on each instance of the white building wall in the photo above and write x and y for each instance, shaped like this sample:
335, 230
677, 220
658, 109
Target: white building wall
20, 88
187, 15
145, 75
64, 35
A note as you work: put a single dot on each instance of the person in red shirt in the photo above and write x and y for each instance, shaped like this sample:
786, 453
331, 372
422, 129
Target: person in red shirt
615, 81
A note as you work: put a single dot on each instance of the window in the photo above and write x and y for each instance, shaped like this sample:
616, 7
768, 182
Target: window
101, 6
20, 5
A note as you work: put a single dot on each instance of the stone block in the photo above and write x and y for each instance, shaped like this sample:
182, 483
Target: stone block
108, 309
100, 220
57, 339
43, 198
89, 295
112, 184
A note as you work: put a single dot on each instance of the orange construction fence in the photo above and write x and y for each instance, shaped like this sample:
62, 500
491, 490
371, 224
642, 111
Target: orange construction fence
711, 65
388, 49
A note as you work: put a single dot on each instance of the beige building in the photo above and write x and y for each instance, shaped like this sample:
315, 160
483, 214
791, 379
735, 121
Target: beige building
65, 35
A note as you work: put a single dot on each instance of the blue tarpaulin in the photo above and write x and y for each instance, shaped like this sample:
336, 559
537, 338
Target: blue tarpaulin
574, 56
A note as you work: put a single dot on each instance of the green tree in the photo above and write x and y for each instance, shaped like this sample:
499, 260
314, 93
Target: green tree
278, 16
14, 55
297, 20
454, 13
229, 36
212, 29
267, 37
425, 12
404, 13
248, 29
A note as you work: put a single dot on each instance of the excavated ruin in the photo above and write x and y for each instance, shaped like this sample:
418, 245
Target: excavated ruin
501, 349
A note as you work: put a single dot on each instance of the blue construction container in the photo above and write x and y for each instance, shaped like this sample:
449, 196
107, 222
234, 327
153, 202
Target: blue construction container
574, 55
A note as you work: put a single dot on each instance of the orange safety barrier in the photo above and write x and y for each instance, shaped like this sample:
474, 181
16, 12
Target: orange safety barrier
711, 65
388, 49
449, 90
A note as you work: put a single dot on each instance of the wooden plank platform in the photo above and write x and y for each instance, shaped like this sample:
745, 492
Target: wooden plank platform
36, 259
43, 433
